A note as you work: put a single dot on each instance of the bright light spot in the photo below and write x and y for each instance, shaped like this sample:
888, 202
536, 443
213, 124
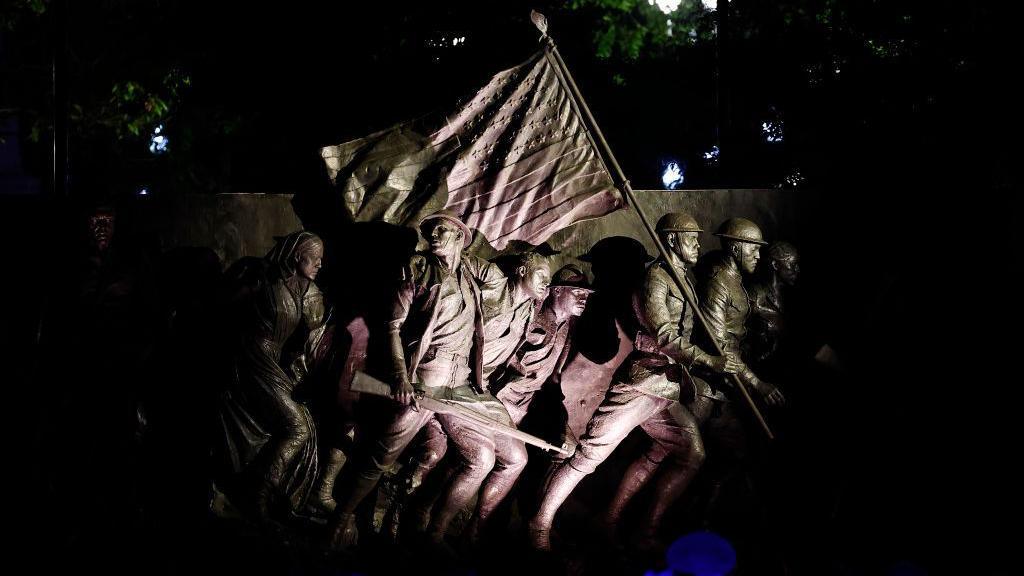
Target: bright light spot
143, 191
710, 4
701, 554
158, 142
666, 6
712, 155
794, 180
672, 176
772, 131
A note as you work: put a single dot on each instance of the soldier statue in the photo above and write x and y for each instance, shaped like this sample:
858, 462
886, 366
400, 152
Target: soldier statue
782, 269
726, 304
646, 393
509, 309
436, 336
546, 346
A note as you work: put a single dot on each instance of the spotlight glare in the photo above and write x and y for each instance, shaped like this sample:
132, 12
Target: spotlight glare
666, 6
672, 176
157, 141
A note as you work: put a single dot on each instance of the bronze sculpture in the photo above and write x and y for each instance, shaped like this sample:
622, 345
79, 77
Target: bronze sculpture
646, 393
546, 345
509, 309
263, 425
436, 336
725, 302
782, 270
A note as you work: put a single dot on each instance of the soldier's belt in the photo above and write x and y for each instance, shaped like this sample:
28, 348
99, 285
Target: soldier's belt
434, 352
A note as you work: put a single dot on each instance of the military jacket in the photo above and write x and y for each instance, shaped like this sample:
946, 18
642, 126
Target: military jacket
664, 352
726, 305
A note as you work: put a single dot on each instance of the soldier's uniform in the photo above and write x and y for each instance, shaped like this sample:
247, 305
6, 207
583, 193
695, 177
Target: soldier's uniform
541, 354
436, 333
726, 305
504, 326
646, 392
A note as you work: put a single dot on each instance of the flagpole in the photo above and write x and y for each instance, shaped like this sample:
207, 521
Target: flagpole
622, 183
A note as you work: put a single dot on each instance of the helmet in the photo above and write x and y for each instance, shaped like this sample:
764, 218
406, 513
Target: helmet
742, 230
450, 216
677, 222
571, 276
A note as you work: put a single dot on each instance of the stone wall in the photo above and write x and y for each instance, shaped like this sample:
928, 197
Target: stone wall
233, 225
236, 225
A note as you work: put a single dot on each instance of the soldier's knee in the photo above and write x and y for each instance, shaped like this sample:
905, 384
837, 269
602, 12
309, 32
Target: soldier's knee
432, 455
515, 457
478, 460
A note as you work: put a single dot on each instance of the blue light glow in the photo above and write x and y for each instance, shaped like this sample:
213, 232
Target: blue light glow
905, 569
158, 142
672, 175
143, 191
712, 155
701, 554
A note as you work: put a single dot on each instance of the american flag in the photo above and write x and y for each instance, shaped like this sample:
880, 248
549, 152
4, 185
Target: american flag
515, 161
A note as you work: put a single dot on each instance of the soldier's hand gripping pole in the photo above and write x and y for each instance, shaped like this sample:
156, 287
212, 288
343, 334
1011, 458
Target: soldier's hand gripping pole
601, 145
363, 382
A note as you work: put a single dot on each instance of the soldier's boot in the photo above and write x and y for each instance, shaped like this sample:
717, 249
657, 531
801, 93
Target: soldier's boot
670, 486
322, 499
464, 485
343, 534
636, 477
561, 484
409, 479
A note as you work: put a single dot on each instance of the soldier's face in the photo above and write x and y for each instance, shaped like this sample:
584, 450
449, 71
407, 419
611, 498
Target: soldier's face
788, 269
749, 254
687, 246
570, 301
310, 261
444, 236
536, 281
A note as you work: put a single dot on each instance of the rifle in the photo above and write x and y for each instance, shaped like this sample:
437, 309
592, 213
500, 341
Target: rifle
363, 382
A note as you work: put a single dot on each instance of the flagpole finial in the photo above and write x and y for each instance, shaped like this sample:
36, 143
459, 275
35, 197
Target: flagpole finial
540, 21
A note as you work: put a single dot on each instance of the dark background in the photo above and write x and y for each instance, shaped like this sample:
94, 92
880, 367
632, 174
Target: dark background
909, 214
